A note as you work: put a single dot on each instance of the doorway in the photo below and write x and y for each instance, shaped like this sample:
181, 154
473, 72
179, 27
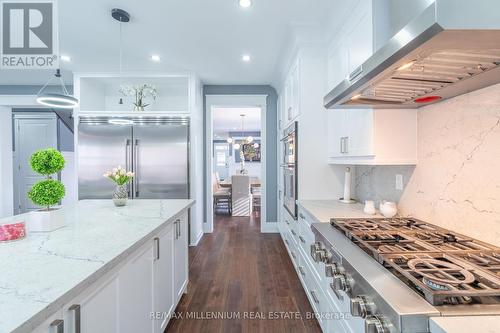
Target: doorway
235, 158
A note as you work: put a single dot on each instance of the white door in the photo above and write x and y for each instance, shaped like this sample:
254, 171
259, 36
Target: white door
164, 277
180, 256
136, 293
32, 132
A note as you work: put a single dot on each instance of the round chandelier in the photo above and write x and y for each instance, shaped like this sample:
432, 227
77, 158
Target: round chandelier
61, 101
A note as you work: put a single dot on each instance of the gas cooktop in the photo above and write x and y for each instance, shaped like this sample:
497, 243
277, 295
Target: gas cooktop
444, 267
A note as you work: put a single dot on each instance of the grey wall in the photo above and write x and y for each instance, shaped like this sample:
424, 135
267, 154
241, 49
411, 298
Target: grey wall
271, 136
65, 137
29, 89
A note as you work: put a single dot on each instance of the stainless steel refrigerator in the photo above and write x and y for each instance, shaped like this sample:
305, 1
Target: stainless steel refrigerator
156, 149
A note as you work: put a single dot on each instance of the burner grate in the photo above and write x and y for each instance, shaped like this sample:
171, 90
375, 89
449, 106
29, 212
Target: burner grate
444, 279
447, 268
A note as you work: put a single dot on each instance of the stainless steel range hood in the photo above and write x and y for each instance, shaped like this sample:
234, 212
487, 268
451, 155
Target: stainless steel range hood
452, 48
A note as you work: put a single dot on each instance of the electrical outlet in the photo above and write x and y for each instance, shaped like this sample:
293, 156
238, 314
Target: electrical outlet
399, 182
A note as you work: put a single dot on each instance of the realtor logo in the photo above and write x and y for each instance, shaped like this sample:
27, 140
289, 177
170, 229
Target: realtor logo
28, 35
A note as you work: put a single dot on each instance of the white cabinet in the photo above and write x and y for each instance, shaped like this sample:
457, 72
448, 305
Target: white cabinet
164, 277
291, 95
359, 39
180, 256
96, 310
136, 293
372, 137
53, 324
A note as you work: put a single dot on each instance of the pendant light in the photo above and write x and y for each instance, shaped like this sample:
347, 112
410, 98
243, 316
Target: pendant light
55, 100
123, 17
248, 139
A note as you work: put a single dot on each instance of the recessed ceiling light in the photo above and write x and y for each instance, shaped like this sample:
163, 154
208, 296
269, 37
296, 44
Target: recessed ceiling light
245, 3
245, 58
155, 57
66, 58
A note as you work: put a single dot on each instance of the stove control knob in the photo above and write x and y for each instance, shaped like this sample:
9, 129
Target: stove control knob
374, 324
319, 253
361, 306
332, 269
339, 282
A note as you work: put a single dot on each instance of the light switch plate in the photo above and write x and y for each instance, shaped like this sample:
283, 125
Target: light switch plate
399, 182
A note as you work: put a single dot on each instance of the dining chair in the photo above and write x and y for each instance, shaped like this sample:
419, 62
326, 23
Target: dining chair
256, 198
241, 197
221, 196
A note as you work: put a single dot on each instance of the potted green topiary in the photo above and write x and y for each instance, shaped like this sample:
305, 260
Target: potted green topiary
48, 192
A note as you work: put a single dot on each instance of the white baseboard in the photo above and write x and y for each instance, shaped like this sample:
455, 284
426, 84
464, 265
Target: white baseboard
196, 241
207, 229
269, 227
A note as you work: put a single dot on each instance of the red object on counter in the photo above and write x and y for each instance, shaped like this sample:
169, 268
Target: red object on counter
427, 99
13, 231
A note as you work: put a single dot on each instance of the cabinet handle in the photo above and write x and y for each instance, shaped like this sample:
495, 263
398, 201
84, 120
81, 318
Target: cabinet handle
346, 144
157, 248
293, 255
288, 223
342, 145
57, 326
286, 241
315, 297
301, 269
302, 239
293, 232
178, 222
302, 216
76, 317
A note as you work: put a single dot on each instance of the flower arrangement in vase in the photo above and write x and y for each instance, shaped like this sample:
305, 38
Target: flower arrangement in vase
120, 177
140, 93
47, 192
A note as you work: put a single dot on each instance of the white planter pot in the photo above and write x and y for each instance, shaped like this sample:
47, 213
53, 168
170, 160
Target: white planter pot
45, 221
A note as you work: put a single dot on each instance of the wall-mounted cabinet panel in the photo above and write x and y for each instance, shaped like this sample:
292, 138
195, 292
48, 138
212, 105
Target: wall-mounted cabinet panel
374, 137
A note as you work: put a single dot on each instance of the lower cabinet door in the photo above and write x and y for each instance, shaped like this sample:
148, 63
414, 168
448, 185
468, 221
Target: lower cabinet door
51, 324
180, 256
136, 293
95, 310
164, 278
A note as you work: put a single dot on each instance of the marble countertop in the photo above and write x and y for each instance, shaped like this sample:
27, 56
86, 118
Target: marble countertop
466, 324
42, 272
324, 210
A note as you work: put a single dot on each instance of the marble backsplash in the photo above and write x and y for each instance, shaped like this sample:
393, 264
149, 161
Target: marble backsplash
456, 183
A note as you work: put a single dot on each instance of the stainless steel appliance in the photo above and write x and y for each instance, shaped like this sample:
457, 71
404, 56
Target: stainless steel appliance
154, 148
399, 272
289, 166
452, 48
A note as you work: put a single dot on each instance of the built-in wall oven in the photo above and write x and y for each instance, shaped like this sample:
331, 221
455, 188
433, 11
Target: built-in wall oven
289, 166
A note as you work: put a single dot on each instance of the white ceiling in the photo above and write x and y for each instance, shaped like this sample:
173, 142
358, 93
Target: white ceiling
205, 36
229, 119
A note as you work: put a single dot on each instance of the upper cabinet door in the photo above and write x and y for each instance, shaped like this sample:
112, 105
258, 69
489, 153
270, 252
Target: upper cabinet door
337, 132
360, 41
338, 65
359, 140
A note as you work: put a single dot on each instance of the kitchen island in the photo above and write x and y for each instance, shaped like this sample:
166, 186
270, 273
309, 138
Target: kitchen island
106, 270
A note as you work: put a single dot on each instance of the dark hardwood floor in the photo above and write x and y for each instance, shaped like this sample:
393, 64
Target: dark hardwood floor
237, 271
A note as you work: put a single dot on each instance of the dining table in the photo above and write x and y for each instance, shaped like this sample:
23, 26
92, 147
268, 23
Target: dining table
254, 182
